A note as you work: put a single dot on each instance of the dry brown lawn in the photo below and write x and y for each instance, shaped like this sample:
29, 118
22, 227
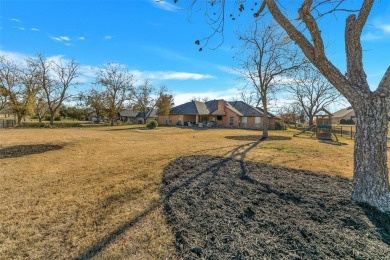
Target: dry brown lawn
100, 194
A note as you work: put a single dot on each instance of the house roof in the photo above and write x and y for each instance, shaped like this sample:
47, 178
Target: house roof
128, 113
269, 113
211, 107
149, 113
232, 108
191, 108
132, 113
201, 108
343, 112
245, 109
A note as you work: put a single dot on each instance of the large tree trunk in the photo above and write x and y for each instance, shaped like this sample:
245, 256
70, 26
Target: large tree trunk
311, 120
52, 115
265, 119
371, 177
19, 118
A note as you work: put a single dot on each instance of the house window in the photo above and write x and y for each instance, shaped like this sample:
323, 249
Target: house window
219, 118
231, 121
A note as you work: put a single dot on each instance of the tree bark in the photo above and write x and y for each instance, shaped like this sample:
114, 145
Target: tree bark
19, 118
52, 114
112, 122
311, 120
265, 118
371, 176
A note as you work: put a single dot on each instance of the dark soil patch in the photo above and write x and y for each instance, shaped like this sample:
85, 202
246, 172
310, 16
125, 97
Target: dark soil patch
216, 211
258, 138
23, 150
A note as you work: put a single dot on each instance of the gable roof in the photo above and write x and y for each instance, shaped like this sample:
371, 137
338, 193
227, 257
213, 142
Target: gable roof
212, 105
132, 113
149, 113
343, 112
207, 108
245, 109
269, 113
128, 113
191, 108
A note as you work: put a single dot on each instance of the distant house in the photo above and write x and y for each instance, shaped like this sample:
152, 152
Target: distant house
345, 113
217, 113
134, 117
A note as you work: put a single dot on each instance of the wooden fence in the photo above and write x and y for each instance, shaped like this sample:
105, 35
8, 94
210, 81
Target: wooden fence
5, 123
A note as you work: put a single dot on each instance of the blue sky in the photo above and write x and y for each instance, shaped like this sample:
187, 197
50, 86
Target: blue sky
155, 40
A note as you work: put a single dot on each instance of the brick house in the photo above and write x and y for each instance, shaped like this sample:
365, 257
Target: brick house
134, 117
345, 113
217, 113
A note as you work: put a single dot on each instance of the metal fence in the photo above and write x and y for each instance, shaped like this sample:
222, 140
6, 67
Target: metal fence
345, 131
5, 123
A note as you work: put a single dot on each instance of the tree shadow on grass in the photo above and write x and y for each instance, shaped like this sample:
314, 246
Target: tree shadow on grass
257, 138
221, 207
23, 150
266, 212
128, 129
332, 142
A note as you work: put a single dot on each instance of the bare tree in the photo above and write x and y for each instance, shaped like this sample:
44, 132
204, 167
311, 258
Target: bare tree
268, 56
371, 176
20, 85
312, 92
143, 100
55, 79
94, 100
291, 114
40, 108
146, 99
249, 95
118, 88
3, 100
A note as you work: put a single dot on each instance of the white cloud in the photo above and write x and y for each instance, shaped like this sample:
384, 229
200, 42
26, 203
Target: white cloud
55, 38
81, 38
17, 57
15, 20
380, 29
371, 36
64, 38
228, 95
164, 5
181, 75
107, 37
34, 29
60, 38
228, 70
20, 28
385, 28
141, 76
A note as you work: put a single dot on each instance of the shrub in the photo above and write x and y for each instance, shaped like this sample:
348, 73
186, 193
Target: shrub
280, 125
46, 125
152, 124
347, 122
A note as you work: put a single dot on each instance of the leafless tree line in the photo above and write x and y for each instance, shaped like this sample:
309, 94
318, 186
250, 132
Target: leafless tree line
40, 86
